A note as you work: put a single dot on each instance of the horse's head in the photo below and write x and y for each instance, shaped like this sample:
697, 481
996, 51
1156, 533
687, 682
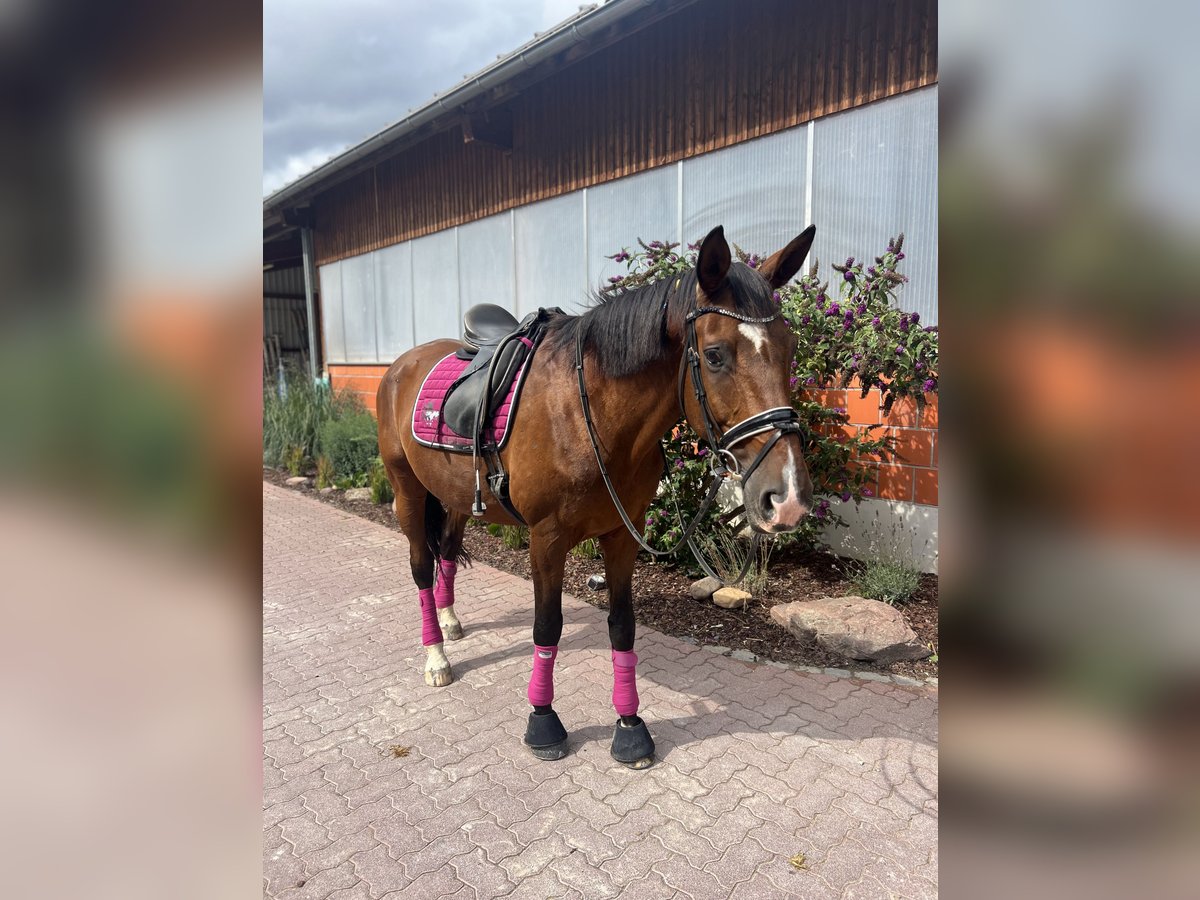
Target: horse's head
744, 367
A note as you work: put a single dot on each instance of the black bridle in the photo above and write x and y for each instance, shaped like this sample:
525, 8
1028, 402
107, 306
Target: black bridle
780, 420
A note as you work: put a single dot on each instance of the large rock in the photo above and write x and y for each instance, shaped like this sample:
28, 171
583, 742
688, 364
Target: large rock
731, 598
703, 589
855, 627
359, 494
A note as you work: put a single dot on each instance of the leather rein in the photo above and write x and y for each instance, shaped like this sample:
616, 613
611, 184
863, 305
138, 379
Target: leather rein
780, 420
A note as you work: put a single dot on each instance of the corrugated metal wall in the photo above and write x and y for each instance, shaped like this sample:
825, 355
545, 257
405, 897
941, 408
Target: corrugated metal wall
874, 174
283, 307
715, 74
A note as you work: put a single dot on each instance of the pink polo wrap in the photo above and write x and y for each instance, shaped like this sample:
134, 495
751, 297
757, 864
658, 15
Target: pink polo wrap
443, 590
541, 682
625, 695
431, 632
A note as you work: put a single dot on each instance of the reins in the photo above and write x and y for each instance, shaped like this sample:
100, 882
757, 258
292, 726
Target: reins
781, 420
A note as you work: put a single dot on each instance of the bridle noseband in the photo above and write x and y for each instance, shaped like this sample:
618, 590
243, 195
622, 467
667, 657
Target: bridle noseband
781, 420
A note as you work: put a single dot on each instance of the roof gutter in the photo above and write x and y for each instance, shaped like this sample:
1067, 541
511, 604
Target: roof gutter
569, 33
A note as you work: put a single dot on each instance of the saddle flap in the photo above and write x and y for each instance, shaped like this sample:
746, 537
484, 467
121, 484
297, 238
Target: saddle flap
462, 402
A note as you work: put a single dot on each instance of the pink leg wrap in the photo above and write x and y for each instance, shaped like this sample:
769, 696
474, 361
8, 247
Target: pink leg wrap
541, 682
625, 696
443, 590
431, 633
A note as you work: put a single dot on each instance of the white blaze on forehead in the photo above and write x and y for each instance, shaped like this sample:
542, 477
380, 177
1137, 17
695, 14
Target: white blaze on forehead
754, 333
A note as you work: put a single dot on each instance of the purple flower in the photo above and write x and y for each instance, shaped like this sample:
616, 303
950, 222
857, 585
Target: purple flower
929, 385
620, 257
867, 492
918, 366
811, 380
871, 270
904, 324
793, 381
833, 310
821, 513
616, 279
915, 318
849, 262
805, 319
849, 320
654, 245
899, 351
875, 321
679, 463
701, 453
845, 496
900, 255
775, 296
929, 328
849, 276
862, 308
820, 301
840, 410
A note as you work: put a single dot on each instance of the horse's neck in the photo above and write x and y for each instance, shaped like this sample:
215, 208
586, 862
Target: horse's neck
637, 411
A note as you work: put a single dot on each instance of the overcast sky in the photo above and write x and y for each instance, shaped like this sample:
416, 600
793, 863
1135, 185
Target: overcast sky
336, 71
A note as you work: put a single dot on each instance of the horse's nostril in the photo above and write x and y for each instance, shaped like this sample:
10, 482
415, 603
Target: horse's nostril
769, 502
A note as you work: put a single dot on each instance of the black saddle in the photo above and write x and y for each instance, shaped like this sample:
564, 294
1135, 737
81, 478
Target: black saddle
486, 324
497, 344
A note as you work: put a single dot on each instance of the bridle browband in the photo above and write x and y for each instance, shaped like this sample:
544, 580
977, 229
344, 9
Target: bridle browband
781, 420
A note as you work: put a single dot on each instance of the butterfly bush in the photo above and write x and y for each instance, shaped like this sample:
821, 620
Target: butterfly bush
851, 336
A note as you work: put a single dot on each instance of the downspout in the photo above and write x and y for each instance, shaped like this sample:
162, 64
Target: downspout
309, 279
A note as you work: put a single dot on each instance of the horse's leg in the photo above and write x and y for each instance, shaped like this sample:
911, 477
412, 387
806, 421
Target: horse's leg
545, 735
412, 506
632, 745
443, 591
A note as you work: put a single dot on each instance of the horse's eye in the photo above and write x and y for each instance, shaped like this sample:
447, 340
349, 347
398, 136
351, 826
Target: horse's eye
713, 357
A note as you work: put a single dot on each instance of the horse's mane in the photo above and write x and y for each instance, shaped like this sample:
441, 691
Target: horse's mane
627, 330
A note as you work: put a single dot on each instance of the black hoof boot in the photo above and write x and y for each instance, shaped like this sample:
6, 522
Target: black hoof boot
545, 736
632, 745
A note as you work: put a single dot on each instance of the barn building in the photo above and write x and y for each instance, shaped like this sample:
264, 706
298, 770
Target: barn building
656, 119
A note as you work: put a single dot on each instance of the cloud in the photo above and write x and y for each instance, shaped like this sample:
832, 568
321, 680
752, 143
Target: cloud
335, 73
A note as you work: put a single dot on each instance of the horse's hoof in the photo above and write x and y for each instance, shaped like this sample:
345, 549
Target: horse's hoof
439, 677
545, 736
632, 745
452, 632
551, 753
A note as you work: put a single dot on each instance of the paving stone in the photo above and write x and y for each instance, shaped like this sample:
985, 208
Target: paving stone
753, 761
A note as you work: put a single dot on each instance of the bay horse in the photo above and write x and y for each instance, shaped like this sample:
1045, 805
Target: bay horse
634, 349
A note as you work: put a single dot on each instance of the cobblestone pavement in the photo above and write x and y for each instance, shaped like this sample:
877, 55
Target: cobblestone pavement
756, 763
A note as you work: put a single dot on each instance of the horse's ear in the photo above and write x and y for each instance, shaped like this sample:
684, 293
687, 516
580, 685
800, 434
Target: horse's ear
779, 269
713, 262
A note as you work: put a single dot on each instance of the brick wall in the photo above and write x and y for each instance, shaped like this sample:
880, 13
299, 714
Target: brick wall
912, 476
362, 380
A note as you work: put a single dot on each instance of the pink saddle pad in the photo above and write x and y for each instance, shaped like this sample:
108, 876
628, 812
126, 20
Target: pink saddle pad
427, 425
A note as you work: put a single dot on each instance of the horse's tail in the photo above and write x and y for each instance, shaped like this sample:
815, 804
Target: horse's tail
435, 531
435, 525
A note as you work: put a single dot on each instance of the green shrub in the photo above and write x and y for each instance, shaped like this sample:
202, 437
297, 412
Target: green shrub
324, 472
294, 460
381, 488
727, 553
589, 549
293, 417
514, 537
890, 580
351, 441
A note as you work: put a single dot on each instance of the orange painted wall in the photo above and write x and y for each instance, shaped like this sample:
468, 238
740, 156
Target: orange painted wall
912, 476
